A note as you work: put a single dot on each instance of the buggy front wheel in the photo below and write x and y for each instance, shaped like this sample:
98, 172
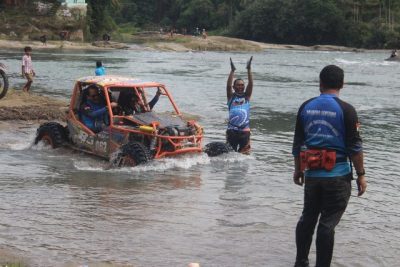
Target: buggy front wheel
131, 154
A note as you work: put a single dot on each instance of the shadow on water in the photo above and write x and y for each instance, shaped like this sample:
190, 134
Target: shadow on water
295, 66
180, 72
236, 178
357, 83
130, 181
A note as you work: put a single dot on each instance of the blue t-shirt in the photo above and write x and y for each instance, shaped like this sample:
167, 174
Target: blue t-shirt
239, 113
327, 122
100, 71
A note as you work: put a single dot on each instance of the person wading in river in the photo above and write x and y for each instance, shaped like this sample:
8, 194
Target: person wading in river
27, 69
326, 137
238, 132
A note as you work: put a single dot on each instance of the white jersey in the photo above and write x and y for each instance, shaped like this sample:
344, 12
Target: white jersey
27, 64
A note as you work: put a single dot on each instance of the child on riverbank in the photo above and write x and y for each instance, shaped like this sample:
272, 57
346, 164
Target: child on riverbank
27, 68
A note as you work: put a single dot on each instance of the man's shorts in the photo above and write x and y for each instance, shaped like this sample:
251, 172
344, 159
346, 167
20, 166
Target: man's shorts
29, 77
239, 140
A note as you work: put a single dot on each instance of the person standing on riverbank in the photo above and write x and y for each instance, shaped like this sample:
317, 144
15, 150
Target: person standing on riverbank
238, 132
326, 137
43, 39
100, 70
27, 68
204, 34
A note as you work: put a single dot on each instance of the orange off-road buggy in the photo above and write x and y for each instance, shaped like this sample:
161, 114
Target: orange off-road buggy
128, 139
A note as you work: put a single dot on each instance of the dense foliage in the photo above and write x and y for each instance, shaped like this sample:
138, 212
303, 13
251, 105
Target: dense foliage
359, 23
353, 23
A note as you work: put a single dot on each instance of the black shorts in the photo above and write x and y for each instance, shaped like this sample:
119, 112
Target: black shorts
239, 140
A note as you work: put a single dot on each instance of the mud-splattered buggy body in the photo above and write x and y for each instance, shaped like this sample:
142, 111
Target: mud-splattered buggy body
126, 139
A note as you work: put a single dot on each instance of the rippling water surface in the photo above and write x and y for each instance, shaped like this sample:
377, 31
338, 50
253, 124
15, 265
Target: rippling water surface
59, 207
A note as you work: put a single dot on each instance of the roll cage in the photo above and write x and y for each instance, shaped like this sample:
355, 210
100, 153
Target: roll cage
145, 126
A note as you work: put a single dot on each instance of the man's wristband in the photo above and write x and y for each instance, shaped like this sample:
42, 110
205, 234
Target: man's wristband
361, 173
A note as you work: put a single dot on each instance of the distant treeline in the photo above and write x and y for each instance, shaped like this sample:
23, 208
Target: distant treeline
363, 23
357, 23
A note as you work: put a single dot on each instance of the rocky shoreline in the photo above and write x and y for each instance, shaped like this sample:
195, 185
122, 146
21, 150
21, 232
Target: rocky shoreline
178, 43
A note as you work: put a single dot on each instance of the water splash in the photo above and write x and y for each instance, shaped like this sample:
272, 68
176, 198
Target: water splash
161, 165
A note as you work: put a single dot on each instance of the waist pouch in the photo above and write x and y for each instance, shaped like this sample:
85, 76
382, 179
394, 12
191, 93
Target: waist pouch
316, 159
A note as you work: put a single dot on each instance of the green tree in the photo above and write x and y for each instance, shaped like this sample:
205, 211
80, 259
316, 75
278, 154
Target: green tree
99, 18
319, 22
303, 22
196, 13
371, 23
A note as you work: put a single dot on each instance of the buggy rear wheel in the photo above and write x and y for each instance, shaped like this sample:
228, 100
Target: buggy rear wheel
214, 149
3, 84
52, 134
131, 154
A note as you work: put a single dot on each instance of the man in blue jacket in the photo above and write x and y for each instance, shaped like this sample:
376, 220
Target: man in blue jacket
326, 141
93, 111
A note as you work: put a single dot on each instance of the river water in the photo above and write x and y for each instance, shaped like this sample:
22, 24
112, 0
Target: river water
59, 207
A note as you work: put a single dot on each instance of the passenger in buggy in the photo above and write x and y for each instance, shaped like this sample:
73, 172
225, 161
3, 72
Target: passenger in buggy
131, 103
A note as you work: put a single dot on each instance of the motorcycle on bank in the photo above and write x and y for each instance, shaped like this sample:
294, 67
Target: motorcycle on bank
3, 81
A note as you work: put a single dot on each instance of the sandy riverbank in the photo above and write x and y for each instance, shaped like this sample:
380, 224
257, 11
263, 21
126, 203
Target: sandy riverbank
17, 105
12, 44
178, 43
